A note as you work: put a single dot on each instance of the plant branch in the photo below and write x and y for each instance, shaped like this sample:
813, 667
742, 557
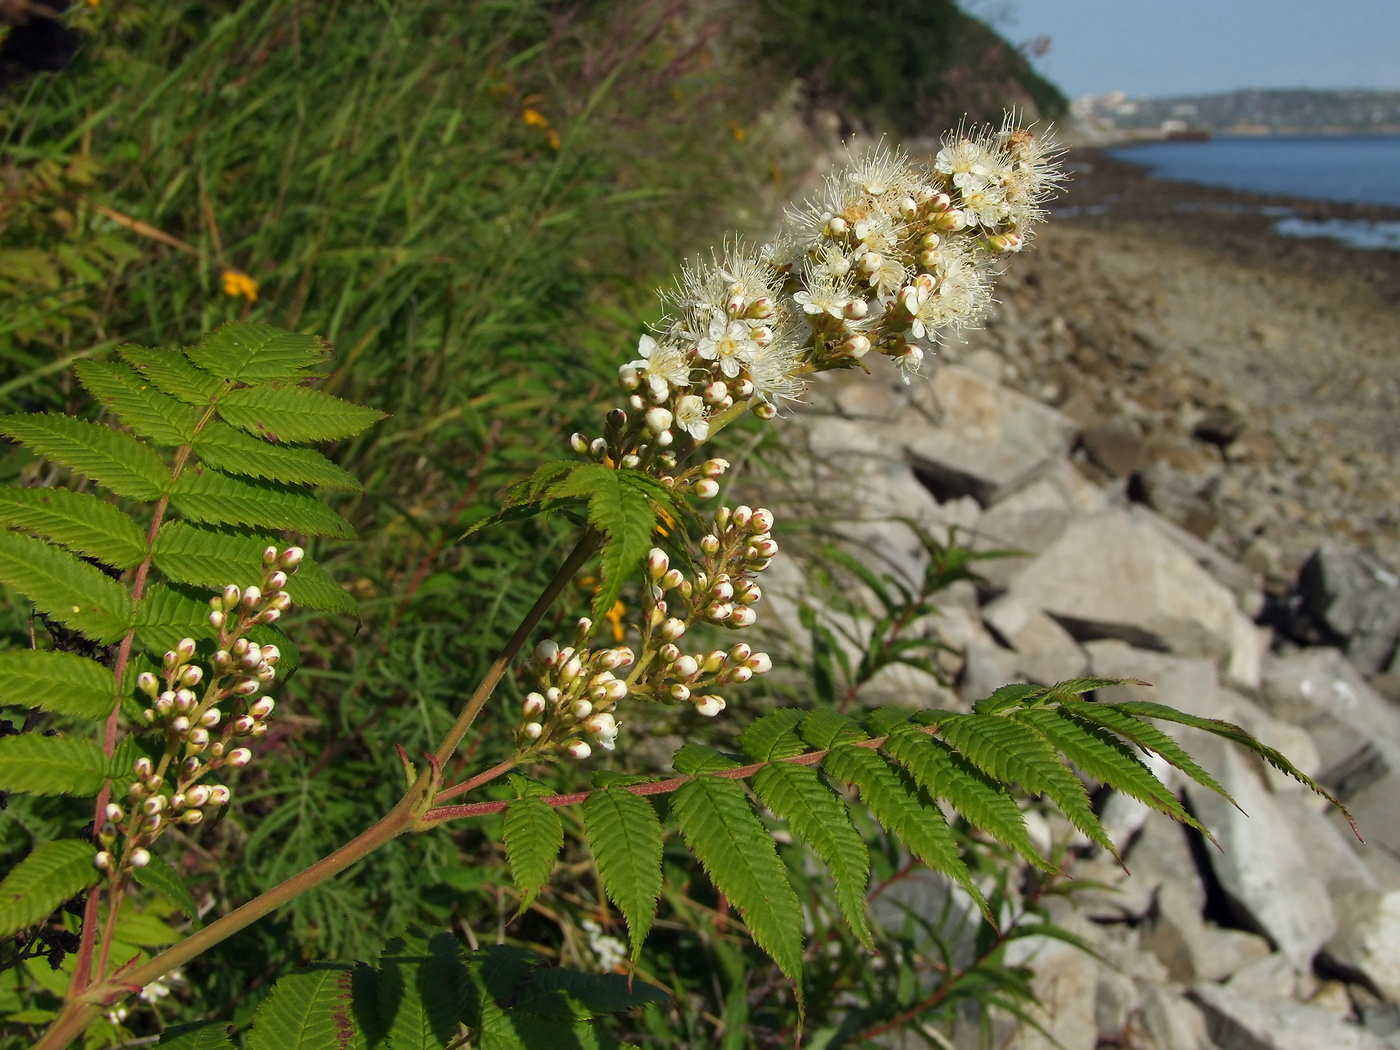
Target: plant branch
580, 554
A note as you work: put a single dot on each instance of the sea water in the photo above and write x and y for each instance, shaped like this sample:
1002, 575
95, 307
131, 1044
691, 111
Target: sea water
1359, 169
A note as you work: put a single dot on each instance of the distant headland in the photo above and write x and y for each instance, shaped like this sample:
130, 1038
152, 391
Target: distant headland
1251, 111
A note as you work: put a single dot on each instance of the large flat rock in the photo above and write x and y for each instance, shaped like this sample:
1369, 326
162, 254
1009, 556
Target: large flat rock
1112, 575
985, 439
1238, 1022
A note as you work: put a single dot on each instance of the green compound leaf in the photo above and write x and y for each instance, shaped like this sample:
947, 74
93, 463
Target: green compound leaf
208, 495
293, 413
817, 817
944, 773
534, 835
915, 821
1108, 760
82, 523
51, 765
1146, 736
311, 1010
166, 614
624, 510
1234, 734
43, 880
213, 558
172, 371
773, 736
65, 588
247, 352
157, 417
201, 1035
571, 995
1008, 750
1005, 697
624, 834
113, 459
738, 854
421, 991
64, 683
234, 452
158, 875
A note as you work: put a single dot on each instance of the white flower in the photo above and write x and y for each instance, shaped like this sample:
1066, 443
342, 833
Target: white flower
960, 299
691, 416
610, 951
730, 344
824, 293
776, 372
881, 172
984, 202
963, 158
663, 365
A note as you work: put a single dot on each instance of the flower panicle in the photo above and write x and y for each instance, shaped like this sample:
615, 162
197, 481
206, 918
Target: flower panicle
885, 259
203, 731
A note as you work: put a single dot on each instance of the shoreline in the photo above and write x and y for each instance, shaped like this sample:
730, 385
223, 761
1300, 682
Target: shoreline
1151, 312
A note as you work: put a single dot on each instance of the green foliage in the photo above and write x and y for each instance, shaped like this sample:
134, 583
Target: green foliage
62, 683
533, 838
44, 880
624, 834
424, 993
51, 765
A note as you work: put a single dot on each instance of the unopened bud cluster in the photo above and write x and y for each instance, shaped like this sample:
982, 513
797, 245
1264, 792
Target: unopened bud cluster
722, 591
578, 692
206, 718
886, 257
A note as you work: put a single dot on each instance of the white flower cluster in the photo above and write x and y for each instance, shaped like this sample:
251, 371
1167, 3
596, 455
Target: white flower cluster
167, 789
577, 696
888, 255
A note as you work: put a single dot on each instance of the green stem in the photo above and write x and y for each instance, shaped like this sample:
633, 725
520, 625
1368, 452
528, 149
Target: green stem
580, 554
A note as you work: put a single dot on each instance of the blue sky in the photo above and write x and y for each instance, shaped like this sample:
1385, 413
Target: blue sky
1182, 47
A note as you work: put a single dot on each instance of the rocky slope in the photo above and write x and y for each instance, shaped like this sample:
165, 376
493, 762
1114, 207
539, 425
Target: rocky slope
1170, 416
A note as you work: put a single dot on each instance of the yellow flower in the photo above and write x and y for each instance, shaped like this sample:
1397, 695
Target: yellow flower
237, 283
614, 617
553, 137
534, 118
737, 131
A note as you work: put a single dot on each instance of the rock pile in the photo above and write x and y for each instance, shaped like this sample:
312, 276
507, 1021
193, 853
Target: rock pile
1289, 937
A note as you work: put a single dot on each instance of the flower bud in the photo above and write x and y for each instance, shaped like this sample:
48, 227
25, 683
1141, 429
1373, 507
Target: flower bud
259, 729
143, 767
547, 653
570, 670
636, 402
198, 795
153, 822
578, 443
631, 461
155, 782
261, 707
836, 226
553, 694
857, 346
103, 861
271, 654
165, 703
628, 377
597, 448
247, 686
722, 591
615, 690
239, 756
716, 393
148, 716
709, 706
264, 673
192, 675
709, 543
291, 558
658, 420
657, 563
222, 659
581, 708
578, 749
148, 683
680, 691
663, 439
191, 766
107, 833
277, 580
739, 674
269, 557
669, 653
211, 717
715, 660
531, 730
153, 805
140, 858
251, 597
742, 616
718, 612
765, 410
177, 800
533, 706
192, 817
672, 629
185, 701
705, 488
185, 650
760, 663
114, 813
219, 795
216, 749
232, 596
242, 725
197, 739
685, 667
